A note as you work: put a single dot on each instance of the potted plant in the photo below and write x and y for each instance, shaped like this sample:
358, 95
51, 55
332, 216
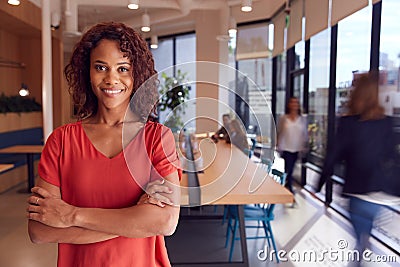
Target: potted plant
17, 112
174, 91
18, 104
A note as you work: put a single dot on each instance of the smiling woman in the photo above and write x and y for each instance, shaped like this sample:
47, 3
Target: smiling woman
135, 52
87, 199
110, 76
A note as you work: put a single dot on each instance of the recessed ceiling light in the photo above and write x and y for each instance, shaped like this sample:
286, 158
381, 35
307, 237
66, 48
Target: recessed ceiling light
133, 4
246, 5
14, 2
154, 42
145, 22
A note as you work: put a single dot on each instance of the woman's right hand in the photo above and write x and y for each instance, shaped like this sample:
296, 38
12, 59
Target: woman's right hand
155, 194
49, 209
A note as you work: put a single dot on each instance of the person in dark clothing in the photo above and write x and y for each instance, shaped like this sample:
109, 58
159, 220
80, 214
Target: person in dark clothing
364, 142
238, 135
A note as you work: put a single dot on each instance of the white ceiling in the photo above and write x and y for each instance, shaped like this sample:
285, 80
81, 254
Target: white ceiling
166, 16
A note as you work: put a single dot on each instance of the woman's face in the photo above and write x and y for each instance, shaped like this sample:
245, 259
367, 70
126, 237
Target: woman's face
110, 76
294, 104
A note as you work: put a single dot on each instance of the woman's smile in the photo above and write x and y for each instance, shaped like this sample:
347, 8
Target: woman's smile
112, 92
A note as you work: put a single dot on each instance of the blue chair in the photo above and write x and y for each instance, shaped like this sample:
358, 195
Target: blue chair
266, 164
248, 152
278, 176
263, 214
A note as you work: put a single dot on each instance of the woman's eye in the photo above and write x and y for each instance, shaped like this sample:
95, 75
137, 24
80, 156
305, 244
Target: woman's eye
100, 67
123, 69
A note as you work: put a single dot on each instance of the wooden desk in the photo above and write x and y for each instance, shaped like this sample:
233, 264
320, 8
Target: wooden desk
231, 178
29, 151
4, 167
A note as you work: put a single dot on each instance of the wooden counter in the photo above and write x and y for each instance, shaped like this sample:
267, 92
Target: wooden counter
230, 177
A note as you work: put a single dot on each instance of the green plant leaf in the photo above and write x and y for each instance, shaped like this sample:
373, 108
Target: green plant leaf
174, 92
18, 103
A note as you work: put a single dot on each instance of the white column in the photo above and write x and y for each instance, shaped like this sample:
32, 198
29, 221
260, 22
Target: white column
47, 83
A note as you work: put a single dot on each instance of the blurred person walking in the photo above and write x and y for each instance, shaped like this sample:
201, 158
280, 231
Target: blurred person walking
292, 137
365, 142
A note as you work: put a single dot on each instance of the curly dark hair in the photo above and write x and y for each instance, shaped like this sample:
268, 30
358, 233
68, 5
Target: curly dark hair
135, 48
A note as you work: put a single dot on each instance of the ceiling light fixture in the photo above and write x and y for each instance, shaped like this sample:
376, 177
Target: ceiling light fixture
55, 20
232, 26
154, 42
133, 4
145, 22
246, 6
14, 2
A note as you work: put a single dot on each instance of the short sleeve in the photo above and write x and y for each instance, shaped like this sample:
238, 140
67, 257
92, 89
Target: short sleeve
49, 165
165, 158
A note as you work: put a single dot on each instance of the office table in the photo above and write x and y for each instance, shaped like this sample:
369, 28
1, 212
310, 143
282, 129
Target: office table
29, 151
230, 178
4, 167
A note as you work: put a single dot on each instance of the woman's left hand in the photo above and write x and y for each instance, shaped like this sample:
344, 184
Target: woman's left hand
49, 209
153, 194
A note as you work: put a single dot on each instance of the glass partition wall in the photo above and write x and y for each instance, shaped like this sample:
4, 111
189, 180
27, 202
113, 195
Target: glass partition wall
253, 99
365, 40
318, 96
168, 58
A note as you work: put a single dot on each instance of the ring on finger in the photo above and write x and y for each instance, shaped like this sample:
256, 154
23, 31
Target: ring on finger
37, 201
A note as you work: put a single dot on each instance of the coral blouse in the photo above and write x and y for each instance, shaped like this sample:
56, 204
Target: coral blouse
87, 178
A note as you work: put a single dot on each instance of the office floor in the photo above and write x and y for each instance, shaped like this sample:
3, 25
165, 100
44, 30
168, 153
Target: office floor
306, 226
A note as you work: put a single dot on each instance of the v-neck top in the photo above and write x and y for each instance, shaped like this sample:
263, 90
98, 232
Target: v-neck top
88, 178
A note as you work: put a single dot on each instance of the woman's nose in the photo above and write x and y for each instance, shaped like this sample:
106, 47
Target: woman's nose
111, 77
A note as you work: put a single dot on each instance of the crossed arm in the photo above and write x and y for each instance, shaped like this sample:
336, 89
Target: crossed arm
52, 220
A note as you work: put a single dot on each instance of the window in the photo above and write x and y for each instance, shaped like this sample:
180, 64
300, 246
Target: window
318, 95
259, 89
389, 58
185, 54
389, 93
353, 53
253, 86
163, 56
299, 49
297, 75
353, 58
281, 85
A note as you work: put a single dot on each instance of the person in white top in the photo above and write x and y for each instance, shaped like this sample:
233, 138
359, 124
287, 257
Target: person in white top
292, 137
